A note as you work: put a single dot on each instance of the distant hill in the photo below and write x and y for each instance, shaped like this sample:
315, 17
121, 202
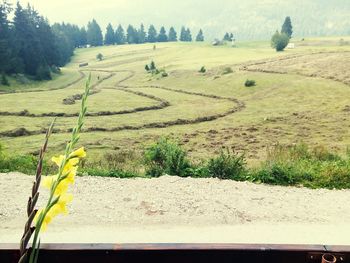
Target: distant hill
247, 19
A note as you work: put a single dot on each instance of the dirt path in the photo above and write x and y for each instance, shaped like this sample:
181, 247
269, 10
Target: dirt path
173, 209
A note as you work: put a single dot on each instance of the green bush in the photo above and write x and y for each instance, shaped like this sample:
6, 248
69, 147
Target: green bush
279, 41
99, 57
166, 157
280, 174
24, 163
299, 165
152, 66
147, 68
249, 83
202, 70
4, 80
228, 165
108, 173
43, 73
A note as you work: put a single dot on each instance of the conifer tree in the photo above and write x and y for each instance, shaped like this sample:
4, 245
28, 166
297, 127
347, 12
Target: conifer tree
226, 37
183, 35
172, 35
109, 36
27, 39
131, 35
152, 34
142, 34
162, 37
120, 35
200, 36
188, 35
287, 27
6, 52
82, 37
94, 34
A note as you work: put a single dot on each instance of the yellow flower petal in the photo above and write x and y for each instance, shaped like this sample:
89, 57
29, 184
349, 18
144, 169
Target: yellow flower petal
48, 181
62, 187
80, 153
58, 160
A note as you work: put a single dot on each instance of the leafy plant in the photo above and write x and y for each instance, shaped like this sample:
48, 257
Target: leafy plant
4, 80
57, 184
152, 66
279, 41
249, 83
202, 70
166, 157
228, 165
99, 57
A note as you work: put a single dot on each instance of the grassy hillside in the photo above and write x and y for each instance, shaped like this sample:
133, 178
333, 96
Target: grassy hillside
301, 96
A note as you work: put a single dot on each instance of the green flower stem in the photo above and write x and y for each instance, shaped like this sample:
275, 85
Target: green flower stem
69, 148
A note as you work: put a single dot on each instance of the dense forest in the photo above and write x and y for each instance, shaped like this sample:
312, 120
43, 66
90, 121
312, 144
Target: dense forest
30, 45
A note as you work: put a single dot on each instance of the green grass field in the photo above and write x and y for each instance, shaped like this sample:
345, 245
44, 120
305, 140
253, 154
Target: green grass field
302, 95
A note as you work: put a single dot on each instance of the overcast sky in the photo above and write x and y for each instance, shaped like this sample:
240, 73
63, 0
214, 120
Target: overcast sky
114, 11
252, 19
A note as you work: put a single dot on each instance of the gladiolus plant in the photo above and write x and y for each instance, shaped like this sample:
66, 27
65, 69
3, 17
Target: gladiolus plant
58, 185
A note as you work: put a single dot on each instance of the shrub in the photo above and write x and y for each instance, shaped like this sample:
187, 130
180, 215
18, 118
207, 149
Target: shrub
249, 83
202, 70
24, 163
43, 73
166, 157
22, 79
164, 74
99, 57
109, 173
228, 165
227, 70
147, 68
279, 41
4, 80
279, 174
152, 66
55, 69
299, 165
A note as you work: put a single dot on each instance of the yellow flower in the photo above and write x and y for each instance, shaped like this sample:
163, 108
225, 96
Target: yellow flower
48, 181
62, 187
71, 175
62, 203
58, 160
80, 153
55, 210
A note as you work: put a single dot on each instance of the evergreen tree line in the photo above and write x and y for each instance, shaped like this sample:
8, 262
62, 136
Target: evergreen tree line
29, 45
139, 35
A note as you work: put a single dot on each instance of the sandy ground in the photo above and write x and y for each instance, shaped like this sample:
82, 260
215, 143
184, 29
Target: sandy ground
173, 209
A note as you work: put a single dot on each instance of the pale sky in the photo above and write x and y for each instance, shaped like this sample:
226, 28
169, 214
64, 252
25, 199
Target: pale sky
105, 11
250, 19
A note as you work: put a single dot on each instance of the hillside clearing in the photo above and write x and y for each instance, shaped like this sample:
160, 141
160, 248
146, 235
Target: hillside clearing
203, 111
